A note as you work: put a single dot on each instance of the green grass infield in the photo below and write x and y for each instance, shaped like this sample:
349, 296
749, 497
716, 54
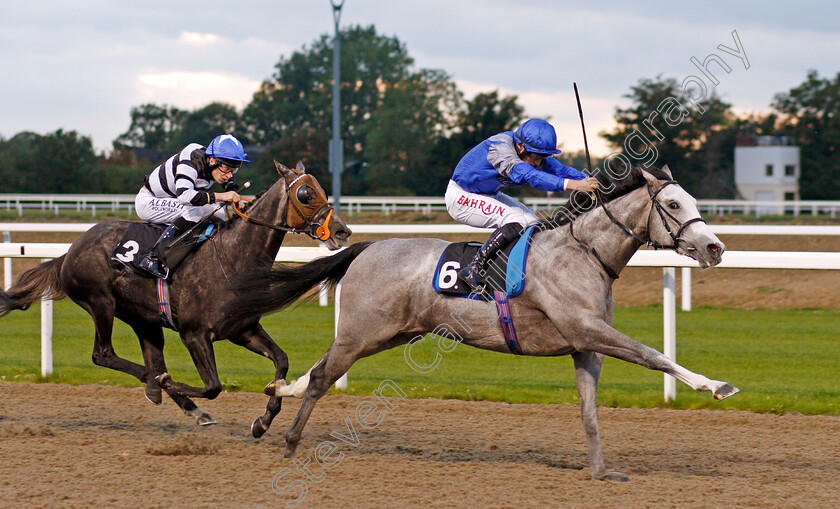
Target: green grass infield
783, 361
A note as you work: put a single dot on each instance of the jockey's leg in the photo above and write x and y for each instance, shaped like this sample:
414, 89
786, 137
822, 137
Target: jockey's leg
499, 240
153, 261
515, 217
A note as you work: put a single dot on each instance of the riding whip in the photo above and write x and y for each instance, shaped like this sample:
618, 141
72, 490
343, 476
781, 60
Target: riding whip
583, 128
585, 143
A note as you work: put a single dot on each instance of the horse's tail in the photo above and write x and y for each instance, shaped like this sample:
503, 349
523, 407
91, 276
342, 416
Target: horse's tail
33, 285
263, 291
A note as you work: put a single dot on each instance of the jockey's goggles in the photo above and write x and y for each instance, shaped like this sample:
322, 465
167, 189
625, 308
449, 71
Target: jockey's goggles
233, 164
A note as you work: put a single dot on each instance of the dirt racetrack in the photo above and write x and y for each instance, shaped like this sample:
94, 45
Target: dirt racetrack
97, 446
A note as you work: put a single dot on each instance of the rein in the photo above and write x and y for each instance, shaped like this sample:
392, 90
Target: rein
656, 205
322, 231
256, 221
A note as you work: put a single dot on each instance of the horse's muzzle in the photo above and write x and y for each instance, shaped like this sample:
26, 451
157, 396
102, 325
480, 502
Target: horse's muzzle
715, 251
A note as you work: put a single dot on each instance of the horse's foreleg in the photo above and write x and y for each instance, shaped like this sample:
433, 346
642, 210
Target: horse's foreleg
257, 340
587, 370
201, 351
151, 344
602, 338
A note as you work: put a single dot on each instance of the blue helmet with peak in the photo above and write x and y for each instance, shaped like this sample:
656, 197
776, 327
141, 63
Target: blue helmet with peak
537, 136
226, 146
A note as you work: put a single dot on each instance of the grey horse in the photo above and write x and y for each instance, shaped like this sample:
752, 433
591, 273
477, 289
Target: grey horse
566, 307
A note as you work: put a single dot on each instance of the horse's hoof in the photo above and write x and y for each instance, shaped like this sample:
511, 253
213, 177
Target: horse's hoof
725, 391
290, 450
271, 388
153, 393
257, 429
162, 378
613, 476
205, 419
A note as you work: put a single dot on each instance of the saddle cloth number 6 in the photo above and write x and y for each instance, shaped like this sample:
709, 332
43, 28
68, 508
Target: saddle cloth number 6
448, 276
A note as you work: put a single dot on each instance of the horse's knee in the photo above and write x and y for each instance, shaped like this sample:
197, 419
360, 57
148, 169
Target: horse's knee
212, 391
281, 361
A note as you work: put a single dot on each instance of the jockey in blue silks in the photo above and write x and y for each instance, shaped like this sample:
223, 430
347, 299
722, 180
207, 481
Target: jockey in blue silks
474, 195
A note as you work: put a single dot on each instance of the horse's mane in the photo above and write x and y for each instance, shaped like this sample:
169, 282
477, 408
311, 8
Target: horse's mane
582, 202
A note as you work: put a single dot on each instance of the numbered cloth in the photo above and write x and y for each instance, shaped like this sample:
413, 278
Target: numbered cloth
505, 272
140, 238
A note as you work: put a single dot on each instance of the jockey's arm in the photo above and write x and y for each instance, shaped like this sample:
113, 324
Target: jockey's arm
227, 196
524, 172
575, 179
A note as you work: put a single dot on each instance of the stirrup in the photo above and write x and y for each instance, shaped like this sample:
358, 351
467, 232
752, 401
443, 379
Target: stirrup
153, 266
470, 276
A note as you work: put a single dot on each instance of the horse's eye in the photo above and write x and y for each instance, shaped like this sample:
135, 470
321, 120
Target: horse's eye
304, 194
674, 205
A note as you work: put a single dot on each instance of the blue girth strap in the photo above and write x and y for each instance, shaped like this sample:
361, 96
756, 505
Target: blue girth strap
163, 304
506, 320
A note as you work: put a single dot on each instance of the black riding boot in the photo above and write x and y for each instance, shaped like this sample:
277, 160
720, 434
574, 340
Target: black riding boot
499, 240
154, 262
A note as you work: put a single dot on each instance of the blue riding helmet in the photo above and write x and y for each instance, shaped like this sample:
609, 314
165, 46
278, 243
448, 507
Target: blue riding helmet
537, 136
227, 147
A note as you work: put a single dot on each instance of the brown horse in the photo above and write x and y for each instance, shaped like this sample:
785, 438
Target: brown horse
198, 289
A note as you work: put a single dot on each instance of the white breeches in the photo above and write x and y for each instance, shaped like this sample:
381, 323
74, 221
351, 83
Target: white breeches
486, 211
166, 210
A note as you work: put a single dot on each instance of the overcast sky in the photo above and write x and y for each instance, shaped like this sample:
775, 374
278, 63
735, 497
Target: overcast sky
82, 65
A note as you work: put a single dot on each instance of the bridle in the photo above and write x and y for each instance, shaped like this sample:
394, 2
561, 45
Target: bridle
318, 231
676, 238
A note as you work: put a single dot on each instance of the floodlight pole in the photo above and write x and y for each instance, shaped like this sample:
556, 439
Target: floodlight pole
336, 144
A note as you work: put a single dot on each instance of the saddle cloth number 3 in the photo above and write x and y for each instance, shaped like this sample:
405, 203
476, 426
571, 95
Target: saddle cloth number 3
131, 248
448, 276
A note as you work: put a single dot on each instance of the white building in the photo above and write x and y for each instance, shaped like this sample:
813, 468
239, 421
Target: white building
767, 168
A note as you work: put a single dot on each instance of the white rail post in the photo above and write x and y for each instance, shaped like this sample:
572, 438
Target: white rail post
341, 383
46, 335
669, 319
686, 288
7, 264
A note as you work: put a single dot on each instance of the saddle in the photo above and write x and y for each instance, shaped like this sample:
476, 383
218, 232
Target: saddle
141, 237
505, 272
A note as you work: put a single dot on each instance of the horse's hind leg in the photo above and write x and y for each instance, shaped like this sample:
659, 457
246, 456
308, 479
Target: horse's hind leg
151, 344
102, 313
317, 382
587, 370
258, 341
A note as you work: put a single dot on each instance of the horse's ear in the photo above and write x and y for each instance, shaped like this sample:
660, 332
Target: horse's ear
667, 171
300, 167
653, 181
284, 171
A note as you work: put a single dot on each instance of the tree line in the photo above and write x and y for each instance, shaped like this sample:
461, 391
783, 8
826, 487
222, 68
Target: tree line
404, 130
